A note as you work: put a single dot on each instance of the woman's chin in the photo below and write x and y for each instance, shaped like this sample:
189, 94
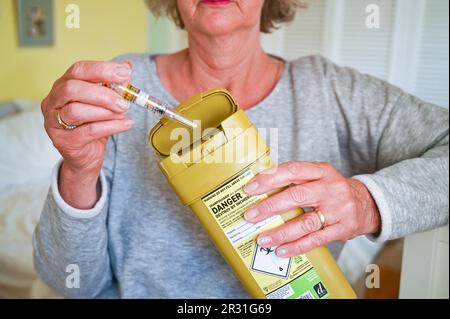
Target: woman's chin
217, 26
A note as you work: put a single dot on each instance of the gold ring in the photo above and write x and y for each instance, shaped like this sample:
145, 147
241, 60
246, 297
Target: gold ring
321, 218
65, 125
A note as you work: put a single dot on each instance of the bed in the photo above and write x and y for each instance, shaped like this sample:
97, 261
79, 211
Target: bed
26, 160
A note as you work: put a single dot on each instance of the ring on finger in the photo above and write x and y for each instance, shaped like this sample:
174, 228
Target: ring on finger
64, 124
321, 218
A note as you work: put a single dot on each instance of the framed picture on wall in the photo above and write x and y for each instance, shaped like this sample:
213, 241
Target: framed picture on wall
35, 22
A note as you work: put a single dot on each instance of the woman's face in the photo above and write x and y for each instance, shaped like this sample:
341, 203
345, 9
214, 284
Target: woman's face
216, 17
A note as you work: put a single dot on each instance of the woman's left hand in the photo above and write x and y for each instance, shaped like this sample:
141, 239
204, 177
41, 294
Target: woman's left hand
346, 205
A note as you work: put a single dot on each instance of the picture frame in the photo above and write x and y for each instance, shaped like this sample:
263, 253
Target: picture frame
35, 23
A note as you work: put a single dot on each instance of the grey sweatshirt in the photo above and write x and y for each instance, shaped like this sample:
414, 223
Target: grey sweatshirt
140, 242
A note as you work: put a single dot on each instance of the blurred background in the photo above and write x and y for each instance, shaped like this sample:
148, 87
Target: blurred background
42, 38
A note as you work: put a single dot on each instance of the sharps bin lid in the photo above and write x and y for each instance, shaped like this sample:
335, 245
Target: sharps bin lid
211, 108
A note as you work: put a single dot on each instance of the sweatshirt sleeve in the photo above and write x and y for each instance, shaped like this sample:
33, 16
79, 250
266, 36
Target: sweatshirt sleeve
399, 144
71, 245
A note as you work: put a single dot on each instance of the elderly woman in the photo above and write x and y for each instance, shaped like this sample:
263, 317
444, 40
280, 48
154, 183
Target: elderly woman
372, 158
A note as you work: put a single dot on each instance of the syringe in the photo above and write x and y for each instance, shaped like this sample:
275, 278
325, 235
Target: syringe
142, 99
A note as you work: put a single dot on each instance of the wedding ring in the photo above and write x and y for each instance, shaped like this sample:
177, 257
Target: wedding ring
65, 125
321, 218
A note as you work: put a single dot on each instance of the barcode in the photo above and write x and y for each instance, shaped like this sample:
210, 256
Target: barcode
306, 295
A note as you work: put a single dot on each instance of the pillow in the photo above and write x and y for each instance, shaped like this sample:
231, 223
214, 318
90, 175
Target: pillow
27, 153
20, 208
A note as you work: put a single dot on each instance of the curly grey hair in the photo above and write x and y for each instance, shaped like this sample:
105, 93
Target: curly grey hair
274, 12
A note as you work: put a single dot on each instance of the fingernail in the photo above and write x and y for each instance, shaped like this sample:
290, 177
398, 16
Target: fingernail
282, 252
129, 123
251, 187
264, 240
251, 214
123, 71
123, 104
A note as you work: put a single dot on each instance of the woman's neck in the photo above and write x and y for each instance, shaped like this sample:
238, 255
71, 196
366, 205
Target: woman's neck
235, 62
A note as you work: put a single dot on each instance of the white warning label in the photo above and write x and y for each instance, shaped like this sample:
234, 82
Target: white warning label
266, 260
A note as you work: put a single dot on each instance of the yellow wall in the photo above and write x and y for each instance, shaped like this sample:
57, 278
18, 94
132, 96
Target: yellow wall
108, 28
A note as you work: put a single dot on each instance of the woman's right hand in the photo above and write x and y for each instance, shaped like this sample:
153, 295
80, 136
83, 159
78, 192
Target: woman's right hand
98, 112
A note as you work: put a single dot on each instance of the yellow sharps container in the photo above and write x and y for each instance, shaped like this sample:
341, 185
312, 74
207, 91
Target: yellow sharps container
207, 168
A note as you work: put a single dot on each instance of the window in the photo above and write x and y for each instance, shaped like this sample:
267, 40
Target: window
410, 49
